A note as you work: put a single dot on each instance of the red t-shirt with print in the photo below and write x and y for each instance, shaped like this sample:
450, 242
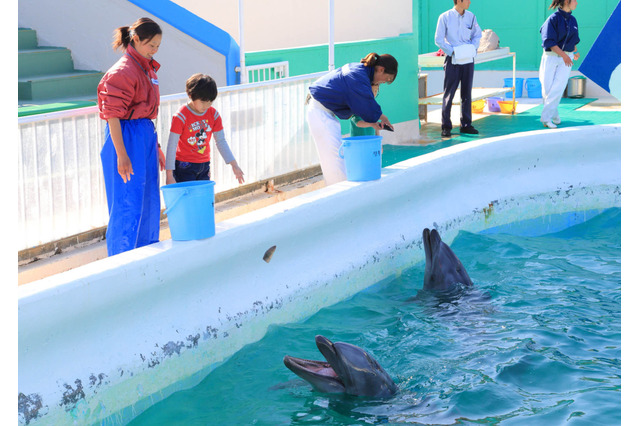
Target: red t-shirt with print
195, 133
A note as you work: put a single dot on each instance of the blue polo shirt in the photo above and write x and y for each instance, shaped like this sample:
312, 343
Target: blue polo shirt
346, 91
560, 29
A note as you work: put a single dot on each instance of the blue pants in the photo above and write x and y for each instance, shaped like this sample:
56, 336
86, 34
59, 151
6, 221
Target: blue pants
134, 207
186, 171
455, 75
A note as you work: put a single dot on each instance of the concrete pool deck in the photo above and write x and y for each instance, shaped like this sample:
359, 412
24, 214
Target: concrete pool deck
574, 112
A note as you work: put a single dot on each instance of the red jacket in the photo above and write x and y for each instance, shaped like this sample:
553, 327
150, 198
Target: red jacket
129, 90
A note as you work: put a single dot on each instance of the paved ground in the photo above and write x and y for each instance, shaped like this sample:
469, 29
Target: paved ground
573, 112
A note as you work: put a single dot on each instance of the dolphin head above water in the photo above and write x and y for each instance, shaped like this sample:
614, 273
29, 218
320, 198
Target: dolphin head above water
443, 268
348, 369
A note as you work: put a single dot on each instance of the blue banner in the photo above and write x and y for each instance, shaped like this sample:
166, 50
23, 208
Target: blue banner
603, 63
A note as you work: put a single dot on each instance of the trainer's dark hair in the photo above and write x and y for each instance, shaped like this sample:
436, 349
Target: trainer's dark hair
144, 28
557, 3
386, 61
203, 87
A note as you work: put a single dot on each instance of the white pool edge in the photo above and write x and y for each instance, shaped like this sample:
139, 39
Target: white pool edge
106, 340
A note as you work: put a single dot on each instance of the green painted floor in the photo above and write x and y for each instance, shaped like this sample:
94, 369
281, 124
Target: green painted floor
499, 125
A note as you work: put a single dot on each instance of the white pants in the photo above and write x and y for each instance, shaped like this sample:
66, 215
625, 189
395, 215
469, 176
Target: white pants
554, 75
325, 129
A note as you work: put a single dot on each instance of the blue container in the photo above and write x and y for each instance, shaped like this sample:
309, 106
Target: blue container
362, 157
190, 209
534, 88
493, 104
508, 82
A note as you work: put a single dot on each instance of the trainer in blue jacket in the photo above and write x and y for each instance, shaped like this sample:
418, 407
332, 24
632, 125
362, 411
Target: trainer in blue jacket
340, 94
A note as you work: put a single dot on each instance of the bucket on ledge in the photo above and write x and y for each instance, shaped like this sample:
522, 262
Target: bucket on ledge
493, 104
189, 208
534, 87
362, 157
508, 82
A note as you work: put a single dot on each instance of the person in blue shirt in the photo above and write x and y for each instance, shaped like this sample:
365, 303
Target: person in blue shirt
359, 127
458, 35
559, 39
340, 94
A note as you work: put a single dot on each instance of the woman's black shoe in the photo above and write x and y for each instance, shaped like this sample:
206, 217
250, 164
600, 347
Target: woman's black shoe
446, 133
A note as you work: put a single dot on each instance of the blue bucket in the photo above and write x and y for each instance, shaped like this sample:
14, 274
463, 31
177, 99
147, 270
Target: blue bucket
493, 104
190, 209
534, 88
508, 82
362, 157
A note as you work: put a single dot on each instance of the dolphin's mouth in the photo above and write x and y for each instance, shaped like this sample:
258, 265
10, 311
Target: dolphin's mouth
319, 373
315, 368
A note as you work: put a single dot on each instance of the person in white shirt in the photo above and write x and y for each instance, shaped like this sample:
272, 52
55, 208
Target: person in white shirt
458, 35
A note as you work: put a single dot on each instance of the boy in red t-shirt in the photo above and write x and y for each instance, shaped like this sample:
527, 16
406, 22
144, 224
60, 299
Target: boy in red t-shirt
188, 151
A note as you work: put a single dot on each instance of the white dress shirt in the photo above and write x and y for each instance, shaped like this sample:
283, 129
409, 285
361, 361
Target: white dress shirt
455, 30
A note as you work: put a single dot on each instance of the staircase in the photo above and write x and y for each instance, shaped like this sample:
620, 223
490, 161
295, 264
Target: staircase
47, 80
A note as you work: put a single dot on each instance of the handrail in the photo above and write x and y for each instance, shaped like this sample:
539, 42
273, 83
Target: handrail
175, 96
198, 28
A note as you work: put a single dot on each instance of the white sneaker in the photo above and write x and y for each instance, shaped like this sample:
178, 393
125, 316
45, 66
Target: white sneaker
556, 121
550, 125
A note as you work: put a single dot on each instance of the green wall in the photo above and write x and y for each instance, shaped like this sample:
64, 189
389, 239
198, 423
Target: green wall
401, 94
517, 24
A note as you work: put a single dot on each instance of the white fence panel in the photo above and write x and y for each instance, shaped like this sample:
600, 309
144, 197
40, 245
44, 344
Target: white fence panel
266, 72
60, 183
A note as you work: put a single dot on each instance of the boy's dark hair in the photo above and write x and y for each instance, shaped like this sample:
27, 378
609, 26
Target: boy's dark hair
202, 87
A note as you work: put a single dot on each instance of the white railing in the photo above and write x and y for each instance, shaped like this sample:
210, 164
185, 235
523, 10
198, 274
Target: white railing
266, 72
60, 183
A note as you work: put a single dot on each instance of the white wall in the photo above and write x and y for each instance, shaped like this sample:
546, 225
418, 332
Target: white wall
285, 24
86, 28
133, 328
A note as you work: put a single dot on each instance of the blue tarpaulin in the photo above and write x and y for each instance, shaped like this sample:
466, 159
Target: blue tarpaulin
604, 61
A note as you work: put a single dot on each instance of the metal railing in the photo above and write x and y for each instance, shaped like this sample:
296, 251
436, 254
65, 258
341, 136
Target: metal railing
60, 183
266, 72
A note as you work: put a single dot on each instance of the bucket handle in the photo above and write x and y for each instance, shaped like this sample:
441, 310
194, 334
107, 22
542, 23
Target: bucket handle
341, 150
175, 202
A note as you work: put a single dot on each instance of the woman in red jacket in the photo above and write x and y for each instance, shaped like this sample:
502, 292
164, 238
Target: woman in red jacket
128, 99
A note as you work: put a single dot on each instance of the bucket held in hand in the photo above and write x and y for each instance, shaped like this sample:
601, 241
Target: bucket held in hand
189, 207
362, 157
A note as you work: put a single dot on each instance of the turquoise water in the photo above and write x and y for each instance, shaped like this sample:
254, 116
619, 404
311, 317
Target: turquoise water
537, 340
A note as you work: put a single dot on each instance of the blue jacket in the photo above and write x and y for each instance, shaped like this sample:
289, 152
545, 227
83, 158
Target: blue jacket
560, 29
346, 91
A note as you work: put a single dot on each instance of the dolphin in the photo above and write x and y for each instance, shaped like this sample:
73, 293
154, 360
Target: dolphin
348, 369
443, 269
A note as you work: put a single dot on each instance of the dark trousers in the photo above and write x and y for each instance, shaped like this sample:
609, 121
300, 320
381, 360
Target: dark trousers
455, 75
185, 171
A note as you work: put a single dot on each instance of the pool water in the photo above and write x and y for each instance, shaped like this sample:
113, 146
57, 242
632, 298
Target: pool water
537, 340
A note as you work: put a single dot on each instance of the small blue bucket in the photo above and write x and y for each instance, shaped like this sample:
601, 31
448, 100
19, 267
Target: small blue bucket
493, 104
508, 82
534, 88
190, 209
362, 157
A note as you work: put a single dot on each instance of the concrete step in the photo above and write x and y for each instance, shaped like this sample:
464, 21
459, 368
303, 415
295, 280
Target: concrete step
43, 61
69, 85
27, 39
